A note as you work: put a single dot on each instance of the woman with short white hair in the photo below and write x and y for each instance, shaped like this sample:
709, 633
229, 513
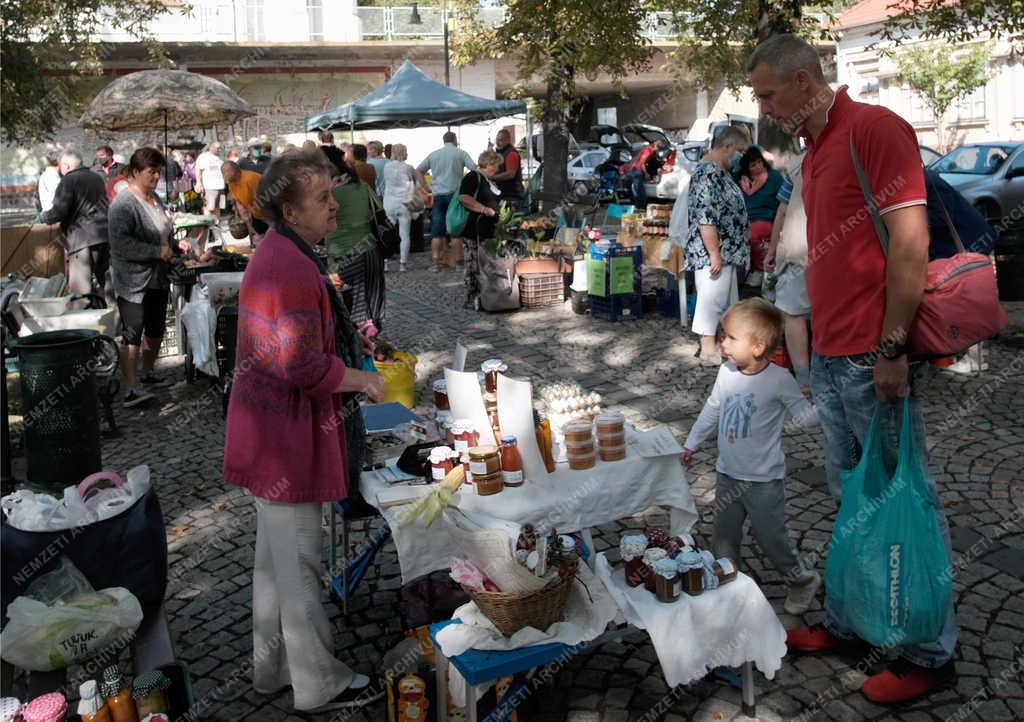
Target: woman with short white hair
718, 242
402, 199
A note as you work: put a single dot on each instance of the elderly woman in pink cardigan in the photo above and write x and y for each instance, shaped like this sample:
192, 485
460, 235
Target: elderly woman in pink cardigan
297, 363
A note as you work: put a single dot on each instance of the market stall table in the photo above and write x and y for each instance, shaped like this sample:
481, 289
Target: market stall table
567, 500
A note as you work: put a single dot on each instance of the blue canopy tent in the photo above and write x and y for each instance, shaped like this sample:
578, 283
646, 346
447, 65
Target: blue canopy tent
410, 99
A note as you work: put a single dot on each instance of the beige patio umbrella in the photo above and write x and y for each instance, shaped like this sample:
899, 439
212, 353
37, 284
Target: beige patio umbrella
149, 99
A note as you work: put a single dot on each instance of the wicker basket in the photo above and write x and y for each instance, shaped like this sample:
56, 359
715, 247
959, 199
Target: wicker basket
511, 612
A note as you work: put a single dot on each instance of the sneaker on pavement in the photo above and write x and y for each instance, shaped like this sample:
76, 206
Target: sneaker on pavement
903, 681
800, 596
816, 638
355, 696
136, 397
401, 268
151, 379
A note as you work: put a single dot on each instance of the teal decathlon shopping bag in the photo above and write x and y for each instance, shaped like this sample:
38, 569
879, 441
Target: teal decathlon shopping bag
888, 571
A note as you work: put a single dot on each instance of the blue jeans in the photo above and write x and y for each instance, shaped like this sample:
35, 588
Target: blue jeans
639, 192
844, 392
437, 214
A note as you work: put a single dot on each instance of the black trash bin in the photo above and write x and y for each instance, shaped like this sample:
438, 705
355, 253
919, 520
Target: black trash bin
60, 405
1009, 253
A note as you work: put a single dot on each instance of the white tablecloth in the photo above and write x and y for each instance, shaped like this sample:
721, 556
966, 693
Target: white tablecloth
567, 500
726, 626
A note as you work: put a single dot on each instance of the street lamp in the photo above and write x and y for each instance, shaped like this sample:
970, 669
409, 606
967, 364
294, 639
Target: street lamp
415, 19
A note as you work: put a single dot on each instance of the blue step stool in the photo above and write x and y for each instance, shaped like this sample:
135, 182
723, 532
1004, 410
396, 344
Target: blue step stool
481, 667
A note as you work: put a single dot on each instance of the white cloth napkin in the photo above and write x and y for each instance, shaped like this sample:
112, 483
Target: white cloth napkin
726, 626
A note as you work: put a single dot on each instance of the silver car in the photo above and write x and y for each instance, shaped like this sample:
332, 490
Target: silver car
989, 175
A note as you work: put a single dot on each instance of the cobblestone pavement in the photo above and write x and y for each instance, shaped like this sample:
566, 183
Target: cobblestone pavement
645, 368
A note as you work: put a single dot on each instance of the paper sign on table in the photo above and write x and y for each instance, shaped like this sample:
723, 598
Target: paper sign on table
622, 274
659, 441
467, 403
596, 278
459, 364
515, 416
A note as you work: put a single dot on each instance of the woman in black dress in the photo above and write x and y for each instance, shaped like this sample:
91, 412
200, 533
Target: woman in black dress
481, 197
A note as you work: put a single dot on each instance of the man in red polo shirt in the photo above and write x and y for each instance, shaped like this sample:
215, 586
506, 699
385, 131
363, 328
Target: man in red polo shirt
862, 302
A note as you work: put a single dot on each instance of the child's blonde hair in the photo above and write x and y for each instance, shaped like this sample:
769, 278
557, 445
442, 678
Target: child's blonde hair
762, 320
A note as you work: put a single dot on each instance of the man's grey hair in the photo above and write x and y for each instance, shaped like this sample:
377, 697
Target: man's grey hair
786, 54
449, 137
732, 137
71, 159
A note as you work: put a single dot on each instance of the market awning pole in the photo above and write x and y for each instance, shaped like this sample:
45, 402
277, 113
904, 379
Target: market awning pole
352, 132
167, 176
529, 143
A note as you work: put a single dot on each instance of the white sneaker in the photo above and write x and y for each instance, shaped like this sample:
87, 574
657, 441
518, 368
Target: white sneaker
800, 596
967, 365
401, 268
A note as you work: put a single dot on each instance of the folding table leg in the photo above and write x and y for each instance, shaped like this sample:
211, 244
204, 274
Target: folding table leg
441, 678
471, 702
333, 553
344, 565
749, 703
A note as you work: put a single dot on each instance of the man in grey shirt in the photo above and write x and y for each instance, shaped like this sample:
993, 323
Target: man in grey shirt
375, 153
446, 165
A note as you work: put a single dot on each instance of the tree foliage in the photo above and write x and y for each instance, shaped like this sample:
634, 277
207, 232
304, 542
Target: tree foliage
556, 41
58, 36
957, 22
943, 78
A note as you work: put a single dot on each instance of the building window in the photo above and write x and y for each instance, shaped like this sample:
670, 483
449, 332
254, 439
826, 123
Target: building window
254, 20
315, 9
972, 107
920, 111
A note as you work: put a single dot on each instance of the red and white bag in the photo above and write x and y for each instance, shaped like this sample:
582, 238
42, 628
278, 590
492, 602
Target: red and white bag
960, 306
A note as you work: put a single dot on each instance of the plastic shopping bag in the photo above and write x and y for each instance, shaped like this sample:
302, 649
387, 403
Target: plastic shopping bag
200, 320
61, 620
888, 569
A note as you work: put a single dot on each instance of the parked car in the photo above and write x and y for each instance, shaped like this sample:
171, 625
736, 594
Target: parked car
989, 175
583, 167
928, 155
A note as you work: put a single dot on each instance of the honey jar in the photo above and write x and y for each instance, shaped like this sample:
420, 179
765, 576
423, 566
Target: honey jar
610, 423
577, 430
484, 461
612, 440
612, 453
579, 463
489, 484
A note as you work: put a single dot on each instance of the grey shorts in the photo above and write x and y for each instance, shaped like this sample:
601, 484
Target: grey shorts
791, 291
215, 198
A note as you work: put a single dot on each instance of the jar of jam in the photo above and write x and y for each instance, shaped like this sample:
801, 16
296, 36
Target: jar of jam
484, 460
691, 571
148, 693
464, 436
651, 557
441, 395
512, 473
667, 586
725, 570
491, 368
441, 462
488, 484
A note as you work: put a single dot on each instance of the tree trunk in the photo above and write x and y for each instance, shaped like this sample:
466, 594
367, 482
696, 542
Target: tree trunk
556, 143
940, 140
776, 18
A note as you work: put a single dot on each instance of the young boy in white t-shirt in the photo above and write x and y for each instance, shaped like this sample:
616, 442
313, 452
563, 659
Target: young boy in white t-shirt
748, 405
